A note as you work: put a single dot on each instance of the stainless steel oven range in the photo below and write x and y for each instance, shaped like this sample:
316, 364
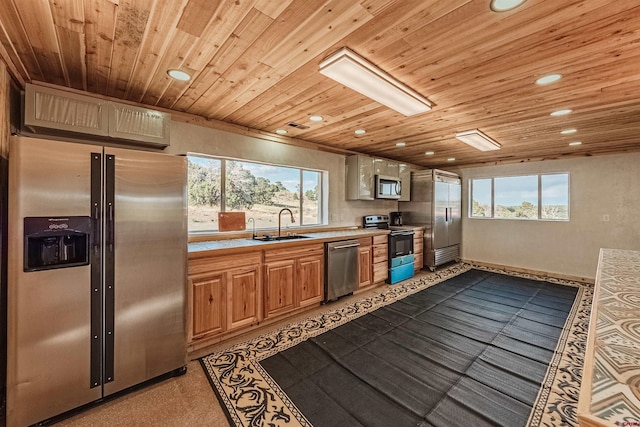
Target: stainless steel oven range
400, 247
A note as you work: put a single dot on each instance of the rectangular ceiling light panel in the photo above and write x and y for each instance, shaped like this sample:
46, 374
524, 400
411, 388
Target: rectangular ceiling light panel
478, 140
356, 73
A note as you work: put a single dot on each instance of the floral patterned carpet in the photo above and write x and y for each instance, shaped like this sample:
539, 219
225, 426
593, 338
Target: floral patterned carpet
252, 398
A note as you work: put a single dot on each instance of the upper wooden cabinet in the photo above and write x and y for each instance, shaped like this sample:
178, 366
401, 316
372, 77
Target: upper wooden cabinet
49, 111
386, 168
404, 173
360, 174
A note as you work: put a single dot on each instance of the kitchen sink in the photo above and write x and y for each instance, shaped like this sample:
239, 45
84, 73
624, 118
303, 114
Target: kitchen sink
270, 238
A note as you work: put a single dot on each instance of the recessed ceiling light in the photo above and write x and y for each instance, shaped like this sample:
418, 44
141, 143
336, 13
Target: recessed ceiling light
504, 5
316, 118
281, 131
549, 78
575, 143
179, 75
360, 131
568, 131
429, 153
401, 144
561, 112
451, 159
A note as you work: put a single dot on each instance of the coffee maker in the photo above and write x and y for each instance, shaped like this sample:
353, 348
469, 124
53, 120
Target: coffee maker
395, 218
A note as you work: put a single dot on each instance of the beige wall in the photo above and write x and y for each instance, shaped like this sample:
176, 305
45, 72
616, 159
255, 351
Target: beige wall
197, 139
601, 185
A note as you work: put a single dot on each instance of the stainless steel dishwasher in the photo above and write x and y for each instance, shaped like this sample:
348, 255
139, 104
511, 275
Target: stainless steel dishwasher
341, 277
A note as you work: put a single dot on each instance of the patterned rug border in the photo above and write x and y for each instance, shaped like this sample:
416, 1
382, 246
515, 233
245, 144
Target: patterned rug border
252, 398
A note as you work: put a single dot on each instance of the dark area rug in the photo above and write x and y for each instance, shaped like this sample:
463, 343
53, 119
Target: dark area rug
462, 347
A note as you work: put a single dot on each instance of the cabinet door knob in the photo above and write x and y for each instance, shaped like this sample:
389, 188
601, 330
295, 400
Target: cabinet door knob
210, 298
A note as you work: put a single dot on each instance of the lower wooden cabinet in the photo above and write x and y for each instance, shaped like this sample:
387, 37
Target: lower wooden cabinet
225, 293
294, 277
418, 249
365, 255
280, 287
311, 280
380, 258
208, 295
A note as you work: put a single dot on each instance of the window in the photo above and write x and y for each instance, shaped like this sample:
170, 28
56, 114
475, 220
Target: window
537, 197
260, 190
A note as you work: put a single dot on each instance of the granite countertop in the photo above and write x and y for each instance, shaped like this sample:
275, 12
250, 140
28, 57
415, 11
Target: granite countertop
233, 245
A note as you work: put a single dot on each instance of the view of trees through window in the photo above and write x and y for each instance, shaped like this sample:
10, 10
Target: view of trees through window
521, 197
260, 190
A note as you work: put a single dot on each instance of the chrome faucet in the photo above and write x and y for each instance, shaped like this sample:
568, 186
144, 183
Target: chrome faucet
253, 221
293, 220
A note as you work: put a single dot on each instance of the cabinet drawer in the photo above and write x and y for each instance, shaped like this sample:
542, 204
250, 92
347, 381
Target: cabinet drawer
364, 241
383, 238
380, 272
224, 262
289, 252
418, 246
380, 253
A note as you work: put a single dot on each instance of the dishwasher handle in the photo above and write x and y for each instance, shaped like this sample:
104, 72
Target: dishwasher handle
352, 245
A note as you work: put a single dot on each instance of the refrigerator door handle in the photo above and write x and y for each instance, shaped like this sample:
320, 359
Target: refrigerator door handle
109, 269
96, 271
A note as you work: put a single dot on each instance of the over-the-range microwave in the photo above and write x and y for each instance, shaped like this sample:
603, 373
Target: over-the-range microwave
388, 187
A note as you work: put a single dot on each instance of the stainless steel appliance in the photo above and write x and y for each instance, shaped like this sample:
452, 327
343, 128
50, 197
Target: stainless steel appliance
97, 271
342, 268
400, 247
388, 187
436, 198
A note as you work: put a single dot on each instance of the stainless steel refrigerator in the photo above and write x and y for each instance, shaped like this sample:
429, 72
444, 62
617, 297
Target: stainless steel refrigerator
97, 272
436, 204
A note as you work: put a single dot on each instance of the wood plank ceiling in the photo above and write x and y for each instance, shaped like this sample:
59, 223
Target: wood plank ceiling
255, 63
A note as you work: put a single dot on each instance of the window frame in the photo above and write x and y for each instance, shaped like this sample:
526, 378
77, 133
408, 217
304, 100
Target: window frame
322, 192
539, 198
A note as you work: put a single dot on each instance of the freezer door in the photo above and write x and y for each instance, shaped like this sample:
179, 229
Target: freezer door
145, 266
455, 214
440, 215
49, 324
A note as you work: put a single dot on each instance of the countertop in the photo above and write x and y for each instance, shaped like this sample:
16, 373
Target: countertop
609, 393
236, 245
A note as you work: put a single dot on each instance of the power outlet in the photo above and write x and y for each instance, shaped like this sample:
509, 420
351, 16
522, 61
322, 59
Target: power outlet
605, 218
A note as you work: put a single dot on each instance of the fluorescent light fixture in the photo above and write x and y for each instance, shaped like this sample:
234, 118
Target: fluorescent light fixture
451, 159
316, 118
401, 144
575, 143
478, 140
561, 112
548, 79
359, 131
429, 153
179, 75
281, 131
504, 5
568, 131
357, 73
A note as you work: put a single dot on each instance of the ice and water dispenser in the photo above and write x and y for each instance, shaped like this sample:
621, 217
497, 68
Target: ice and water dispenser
56, 242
